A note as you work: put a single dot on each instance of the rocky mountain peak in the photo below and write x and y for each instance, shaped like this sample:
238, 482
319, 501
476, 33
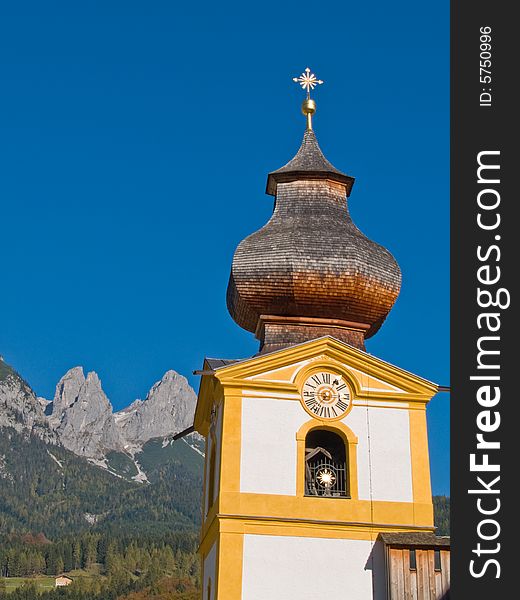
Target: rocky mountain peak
19, 406
81, 419
168, 408
67, 391
93, 379
82, 415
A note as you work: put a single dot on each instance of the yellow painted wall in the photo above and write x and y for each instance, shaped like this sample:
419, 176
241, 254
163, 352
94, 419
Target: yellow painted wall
280, 375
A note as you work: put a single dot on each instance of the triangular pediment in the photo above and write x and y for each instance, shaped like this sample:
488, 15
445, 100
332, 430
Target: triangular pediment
372, 375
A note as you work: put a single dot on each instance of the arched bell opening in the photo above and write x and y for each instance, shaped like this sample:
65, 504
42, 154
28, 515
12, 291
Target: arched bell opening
326, 465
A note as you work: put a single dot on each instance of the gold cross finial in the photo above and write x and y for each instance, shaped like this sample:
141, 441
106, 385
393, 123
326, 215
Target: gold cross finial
308, 82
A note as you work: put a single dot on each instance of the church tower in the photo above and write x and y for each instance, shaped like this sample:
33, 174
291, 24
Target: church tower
313, 446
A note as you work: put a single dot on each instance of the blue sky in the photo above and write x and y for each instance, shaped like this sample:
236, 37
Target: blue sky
137, 137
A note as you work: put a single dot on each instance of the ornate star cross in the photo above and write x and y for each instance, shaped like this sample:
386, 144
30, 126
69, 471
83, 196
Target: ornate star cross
308, 81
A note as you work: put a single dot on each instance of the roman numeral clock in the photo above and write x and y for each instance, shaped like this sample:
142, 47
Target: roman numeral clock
326, 395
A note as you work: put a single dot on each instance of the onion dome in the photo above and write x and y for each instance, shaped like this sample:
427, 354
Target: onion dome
309, 271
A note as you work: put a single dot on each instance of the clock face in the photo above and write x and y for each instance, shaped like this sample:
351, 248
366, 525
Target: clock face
326, 395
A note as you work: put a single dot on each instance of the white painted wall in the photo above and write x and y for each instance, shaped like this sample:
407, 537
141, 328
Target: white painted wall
390, 453
283, 568
209, 573
268, 452
357, 421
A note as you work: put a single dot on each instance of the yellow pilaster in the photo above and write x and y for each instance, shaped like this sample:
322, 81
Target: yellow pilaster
421, 484
230, 557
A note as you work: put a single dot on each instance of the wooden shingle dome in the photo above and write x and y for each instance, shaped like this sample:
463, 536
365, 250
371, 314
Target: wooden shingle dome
310, 271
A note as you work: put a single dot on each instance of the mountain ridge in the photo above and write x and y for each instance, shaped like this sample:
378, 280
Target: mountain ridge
81, 418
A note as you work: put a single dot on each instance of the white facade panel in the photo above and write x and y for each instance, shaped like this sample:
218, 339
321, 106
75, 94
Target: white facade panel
268, 452
209, 581
391, 455
282, 568
356, 420
384, 443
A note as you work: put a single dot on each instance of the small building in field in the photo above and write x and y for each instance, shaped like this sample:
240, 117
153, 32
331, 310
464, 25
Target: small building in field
417, 565
62, 580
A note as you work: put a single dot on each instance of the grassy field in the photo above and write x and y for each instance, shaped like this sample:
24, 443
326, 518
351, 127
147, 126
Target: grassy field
42, 583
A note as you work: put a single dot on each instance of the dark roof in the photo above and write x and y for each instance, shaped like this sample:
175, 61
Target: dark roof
308, 162
416, 539
217, 363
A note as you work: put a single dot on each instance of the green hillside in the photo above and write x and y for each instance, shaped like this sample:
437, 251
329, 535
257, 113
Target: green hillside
114, 537
441, 512
158, 457
48, 489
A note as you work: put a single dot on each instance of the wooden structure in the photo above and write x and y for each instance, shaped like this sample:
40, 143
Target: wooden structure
62, 581
417, 566
309, 271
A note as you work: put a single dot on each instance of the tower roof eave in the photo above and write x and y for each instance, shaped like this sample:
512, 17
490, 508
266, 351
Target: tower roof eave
276, 177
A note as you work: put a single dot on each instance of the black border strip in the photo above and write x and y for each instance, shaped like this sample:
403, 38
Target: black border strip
483, 124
